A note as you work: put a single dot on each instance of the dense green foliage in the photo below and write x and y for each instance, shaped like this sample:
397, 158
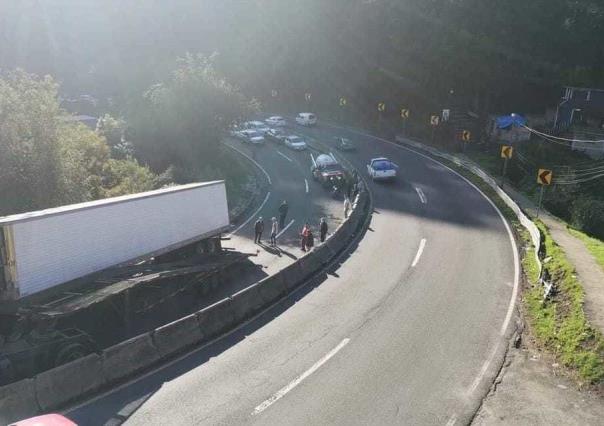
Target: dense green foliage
181, 120
501, 55
47, 161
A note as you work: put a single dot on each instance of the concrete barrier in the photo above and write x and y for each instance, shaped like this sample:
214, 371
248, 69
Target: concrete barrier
247, 302
18, 401
324, 254
310, 264
67, 382
128, 357
272, 288
178, 335
216, 319
292, 275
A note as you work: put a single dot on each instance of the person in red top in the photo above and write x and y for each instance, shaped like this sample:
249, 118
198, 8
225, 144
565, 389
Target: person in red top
304, 236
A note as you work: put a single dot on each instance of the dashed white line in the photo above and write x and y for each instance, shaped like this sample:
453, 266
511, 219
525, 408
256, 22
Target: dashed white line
421, 195
420, 250
306, 183
291, 385
268, 194
285, 156
285, 229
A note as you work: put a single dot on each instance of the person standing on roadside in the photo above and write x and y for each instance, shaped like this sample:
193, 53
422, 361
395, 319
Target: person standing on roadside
258, 228
283, 214
323, 229
347, 207
274, 229
304, 237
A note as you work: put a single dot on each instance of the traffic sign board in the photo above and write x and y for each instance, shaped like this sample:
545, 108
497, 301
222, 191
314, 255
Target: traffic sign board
381, 106
307, 96
342, 101
404, 113
544, 177
274, 93
506, 151
434, 120
466, 135
446, 113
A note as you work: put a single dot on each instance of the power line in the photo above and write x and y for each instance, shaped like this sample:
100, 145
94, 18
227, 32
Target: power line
560, 138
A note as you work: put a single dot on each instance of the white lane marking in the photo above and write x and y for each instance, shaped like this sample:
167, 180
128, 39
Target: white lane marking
291, 385
420, 250
285, 229
452, 421
306, 183
268, 194
421, 195
253, 161
512, 303
285, 156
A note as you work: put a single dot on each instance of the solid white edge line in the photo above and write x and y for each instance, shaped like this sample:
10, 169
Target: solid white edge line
268, 194
252, 160
306, 184
291, 385
285, 156
285, 229
421, 195
512, 303
420, 250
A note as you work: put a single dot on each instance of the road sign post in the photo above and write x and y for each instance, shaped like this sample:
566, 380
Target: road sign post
506, 154
434, 120
405, 117
544, 178
381, 107
342, 103
465, 138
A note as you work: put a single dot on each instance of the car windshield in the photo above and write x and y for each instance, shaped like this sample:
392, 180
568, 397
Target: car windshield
331, 168
382, 165
253, 134
295, 139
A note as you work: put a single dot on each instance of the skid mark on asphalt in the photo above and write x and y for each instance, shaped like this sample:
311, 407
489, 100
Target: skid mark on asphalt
285, 156
420, 250
291, 385
421, 195
285, 229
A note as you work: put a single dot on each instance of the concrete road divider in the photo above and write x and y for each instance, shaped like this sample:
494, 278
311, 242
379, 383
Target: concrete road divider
292, 275
128, 357
67, 382
247, 302
272, 288
17, 401
178, 335
216, 319
324, 254
310, 264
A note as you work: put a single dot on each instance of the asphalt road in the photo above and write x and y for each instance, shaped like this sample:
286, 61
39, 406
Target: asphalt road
409, 328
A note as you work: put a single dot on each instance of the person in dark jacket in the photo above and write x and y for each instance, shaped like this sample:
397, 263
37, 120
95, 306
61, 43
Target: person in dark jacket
323, 229
283, 214
258, 228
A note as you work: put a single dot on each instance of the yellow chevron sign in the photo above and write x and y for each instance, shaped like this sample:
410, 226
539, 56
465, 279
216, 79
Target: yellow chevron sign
506, 151
466, 135
381, 107
404, 113
343, 101
544, 177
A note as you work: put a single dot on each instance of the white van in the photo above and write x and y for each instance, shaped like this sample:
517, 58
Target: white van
306, 119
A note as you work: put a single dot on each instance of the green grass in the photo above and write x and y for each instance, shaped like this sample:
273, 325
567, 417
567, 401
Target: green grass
595, 246
559, 324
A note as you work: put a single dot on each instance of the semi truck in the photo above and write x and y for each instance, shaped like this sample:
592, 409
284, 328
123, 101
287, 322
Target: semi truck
69, 260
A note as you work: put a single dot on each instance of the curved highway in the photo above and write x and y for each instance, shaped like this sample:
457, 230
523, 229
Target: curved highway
410, 328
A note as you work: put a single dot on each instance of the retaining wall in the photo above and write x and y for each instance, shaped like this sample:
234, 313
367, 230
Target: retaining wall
59, 386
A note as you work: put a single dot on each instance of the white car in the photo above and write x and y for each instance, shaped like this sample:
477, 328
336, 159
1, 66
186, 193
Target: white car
259, 126
276, 121
251, 136
381, 168
306, 119
295, 142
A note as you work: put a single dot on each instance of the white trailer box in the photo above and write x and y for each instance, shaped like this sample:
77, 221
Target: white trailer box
43, 249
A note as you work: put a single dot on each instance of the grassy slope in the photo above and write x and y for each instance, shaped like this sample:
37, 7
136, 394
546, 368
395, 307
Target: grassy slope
559, 324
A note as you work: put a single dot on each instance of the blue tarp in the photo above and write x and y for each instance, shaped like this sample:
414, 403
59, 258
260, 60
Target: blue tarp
507, 121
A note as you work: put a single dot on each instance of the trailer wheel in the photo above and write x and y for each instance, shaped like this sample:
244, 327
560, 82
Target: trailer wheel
70, 352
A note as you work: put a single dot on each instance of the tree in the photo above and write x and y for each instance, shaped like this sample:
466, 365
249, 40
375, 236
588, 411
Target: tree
181, 120
111, 128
